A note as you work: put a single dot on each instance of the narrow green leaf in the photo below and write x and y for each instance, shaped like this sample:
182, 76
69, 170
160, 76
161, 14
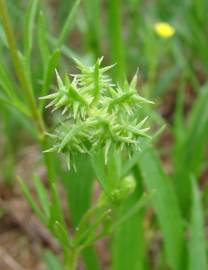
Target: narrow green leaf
65, 50
31, 201
52, 261
68, 24
42, 194
108, 174
116, 46
166, 207
128, 245
132, 211
91, 258
98, 164
10, 90
56, 211
197, 129
49, 74
24, 121
128, 242
62, 235
88, 234
191, 148
132, 161
78, 186
42, 40
28, 26
197, 246
144, 145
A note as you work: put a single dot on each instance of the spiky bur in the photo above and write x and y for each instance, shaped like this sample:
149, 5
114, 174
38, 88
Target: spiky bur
96, 114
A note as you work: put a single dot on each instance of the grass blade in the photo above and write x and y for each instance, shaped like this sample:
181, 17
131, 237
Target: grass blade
68, 24
166, 207
197, 248
128, 244
31, 201
116, 46
191, 148
10, 89
56, 211
42, 194
52, 261
49, 73
63, 236
98, 164
42, 40
79, 190
28, 28
78, 186
90, 259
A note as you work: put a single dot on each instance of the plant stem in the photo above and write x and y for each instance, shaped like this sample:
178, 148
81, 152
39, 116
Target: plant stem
72, 260
116, 47
48, 160
26, 87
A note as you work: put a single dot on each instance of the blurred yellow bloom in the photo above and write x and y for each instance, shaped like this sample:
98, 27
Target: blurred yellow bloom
164, 30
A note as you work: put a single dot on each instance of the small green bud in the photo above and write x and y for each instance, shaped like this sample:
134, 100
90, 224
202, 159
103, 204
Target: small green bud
119, 194
126, 188
128, 185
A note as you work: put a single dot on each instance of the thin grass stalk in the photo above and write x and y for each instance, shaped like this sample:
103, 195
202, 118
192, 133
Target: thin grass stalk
116, 44
72, 260
25, 85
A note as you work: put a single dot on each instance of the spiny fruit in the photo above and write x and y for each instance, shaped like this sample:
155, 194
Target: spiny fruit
96, 113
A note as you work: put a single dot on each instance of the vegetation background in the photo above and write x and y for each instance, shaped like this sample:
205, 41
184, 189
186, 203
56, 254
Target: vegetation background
170, 231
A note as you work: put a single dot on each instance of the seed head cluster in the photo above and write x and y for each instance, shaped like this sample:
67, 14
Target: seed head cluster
96, 114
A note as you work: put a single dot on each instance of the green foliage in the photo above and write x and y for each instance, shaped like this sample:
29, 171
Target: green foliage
52, 261
170, 219
197, 248
190, 147
126, 253
116, 45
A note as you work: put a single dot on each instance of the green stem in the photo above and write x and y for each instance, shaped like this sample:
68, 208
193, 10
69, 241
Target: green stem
116, 45
48, 159
26, 87
72, 260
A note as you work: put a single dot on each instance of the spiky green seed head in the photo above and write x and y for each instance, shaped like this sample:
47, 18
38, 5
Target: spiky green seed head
96, 113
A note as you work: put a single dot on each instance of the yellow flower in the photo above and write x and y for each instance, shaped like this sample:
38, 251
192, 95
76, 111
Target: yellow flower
164, 30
